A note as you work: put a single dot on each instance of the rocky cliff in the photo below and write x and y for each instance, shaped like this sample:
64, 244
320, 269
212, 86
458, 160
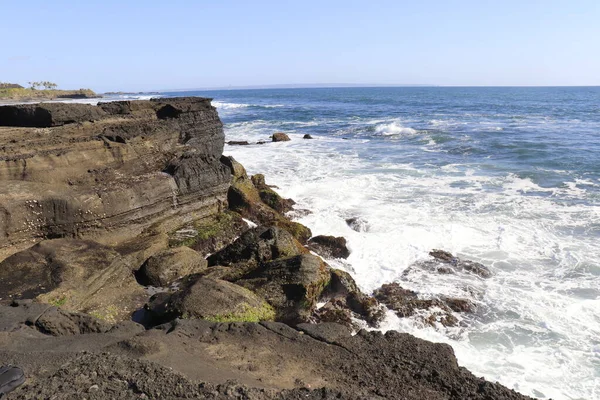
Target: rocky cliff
127, 270
107, 172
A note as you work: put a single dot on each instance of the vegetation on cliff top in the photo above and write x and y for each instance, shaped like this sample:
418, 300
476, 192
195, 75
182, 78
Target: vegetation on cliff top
13, 91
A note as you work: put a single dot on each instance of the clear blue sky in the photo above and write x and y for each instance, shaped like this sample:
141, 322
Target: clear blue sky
176, 44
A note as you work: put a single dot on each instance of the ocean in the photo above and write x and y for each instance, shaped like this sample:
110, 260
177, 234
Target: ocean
509, 177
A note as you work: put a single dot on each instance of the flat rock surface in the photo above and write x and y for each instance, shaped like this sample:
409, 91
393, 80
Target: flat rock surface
266, 360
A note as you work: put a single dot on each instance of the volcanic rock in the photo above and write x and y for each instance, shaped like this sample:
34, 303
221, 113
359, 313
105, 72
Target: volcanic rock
245, 199
216, 300
292, 285
329, 246
80, 275
445, 263
164, 268
238, 143
280, 137
407, 303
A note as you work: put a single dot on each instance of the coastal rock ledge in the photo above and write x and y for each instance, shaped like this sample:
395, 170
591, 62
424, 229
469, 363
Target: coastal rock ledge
107, 172
136, 261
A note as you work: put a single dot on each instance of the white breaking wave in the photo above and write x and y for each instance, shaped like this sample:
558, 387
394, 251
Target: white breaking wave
394, 128
226, 106
232, 106
539, 321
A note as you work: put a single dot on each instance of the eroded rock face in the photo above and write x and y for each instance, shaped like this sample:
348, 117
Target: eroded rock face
407, 303
257, 246
108, 171
245, 198
166, 267
292, 285
78, 275
329, 246
345, 302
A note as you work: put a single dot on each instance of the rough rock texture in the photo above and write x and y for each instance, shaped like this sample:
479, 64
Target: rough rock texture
280, 137
202, 359
215, 300
107, 172
244, 197
329, 246
211, 234
78, 275
407, 303
269, 196
47, 319
256, 246
292, 285
345, 302
164, 268
445, 263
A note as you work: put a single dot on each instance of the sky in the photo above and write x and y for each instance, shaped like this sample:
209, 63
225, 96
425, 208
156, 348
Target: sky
112, 45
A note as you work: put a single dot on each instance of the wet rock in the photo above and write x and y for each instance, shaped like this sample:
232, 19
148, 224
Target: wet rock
280, 137
217, 300
292, 285
329, 246
269, 196
244, 198
166, 267
307, 136
238, 143
78, 275
358, 224
445, 263
407, 303
345, 299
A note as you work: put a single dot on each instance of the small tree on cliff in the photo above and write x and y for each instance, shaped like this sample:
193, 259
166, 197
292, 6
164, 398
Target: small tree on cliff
49, 85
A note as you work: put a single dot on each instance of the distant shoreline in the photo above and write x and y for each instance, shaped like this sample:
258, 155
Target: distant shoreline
12, 95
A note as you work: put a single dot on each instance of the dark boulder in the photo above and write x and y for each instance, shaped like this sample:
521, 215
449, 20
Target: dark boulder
280, 137
257, 246
445, 263
292, 285
214, 300
269, 196
329, 246
48, 319
307, 136
166, 267
358, 224
238, 143
407, 303
344, 301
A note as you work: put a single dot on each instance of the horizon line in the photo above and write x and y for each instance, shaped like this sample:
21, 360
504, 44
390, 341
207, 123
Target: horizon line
343, 85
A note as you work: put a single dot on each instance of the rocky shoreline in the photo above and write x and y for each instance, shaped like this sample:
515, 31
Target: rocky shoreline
137, 261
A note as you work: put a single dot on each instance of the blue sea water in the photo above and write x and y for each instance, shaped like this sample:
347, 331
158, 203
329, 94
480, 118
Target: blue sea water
509, 177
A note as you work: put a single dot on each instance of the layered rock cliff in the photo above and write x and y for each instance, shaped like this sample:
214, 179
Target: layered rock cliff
98, 201
107, 172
